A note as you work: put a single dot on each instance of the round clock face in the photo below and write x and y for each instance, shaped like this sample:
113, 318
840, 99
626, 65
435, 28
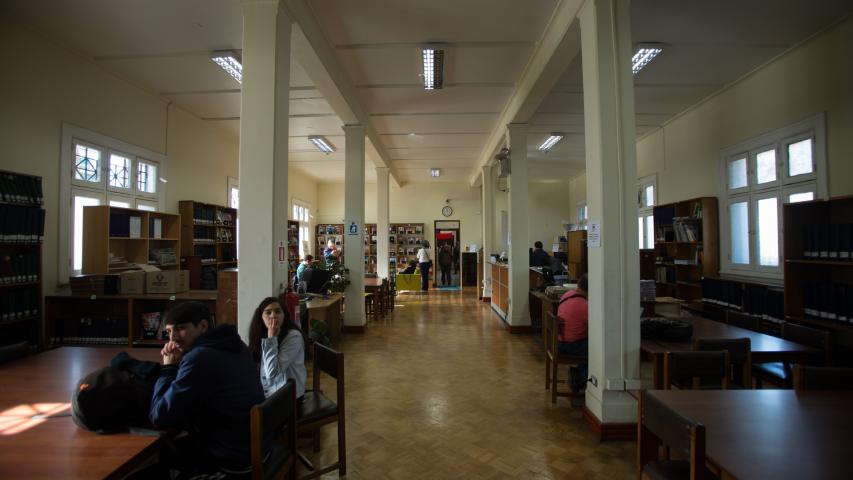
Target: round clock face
447, 211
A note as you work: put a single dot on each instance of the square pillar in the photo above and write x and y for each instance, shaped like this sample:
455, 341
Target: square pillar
518, 316
487, 186
354, 318
382, 220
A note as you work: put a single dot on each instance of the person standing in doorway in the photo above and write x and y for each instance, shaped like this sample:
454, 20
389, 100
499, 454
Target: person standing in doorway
424, 262
445, 263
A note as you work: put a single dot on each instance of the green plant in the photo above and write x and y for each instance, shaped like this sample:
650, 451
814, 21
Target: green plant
339, 276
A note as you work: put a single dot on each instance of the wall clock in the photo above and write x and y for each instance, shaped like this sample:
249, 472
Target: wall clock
447, 211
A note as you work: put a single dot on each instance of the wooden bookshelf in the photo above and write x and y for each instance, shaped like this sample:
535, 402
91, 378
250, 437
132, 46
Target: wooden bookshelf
370, 248
208, 240
292, 248
111, 242
686, 247
404, 240
325, 231
21, 238
577, 253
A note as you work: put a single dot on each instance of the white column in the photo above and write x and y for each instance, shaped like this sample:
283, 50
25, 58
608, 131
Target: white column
354, 213
519, 258
263, 155
488, 200
611, 180
382, 219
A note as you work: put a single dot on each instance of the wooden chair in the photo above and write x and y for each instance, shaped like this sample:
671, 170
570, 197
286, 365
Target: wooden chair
553, 358
780, 373
822, 378
370, 305
317, 410
740, 356
269, 420
390, 293
696, 369
742, 320
659, 425
14, 351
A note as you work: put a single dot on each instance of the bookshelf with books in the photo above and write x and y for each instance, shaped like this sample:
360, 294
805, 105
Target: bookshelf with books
404, 240
686, 247
21, 238
370, 248
818, 264
114, 239
326, 232
292, 248
208, 240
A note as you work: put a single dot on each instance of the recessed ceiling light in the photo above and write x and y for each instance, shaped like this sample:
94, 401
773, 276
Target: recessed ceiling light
550, 142
433, 60
229, 61
644, 54
321, 143
435, 172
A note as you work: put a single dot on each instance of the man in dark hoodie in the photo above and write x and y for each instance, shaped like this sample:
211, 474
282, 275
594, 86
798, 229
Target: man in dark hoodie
207, 386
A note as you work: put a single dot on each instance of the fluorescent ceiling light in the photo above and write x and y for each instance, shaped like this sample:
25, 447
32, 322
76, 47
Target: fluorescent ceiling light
229, 61
644, 54
433, 68
321, 143
550, 142
435, 172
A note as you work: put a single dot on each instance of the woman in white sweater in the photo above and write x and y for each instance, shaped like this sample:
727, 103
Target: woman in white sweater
278, 347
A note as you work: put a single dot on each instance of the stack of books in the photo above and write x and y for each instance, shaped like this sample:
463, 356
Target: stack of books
828, 301
20, 189
21, 224
828, 242
19, 268
18, 304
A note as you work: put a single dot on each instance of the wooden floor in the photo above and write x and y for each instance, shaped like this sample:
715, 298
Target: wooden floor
439, 390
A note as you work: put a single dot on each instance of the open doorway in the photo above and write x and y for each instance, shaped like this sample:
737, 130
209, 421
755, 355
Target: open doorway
446, 271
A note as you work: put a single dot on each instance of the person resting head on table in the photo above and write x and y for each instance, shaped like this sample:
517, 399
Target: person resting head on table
207, 386
573, 314
278, 347
411, 268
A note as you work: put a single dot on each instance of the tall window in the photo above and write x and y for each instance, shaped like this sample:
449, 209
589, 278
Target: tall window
646, 201
759, 176
302, 214
99, 170
582, 215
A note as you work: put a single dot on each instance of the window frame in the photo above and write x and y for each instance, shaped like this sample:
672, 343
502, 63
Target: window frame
644, 211
813, 127
69, 187
306, 224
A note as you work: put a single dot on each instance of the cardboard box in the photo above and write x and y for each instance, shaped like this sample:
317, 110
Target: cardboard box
167, 281
132, 282
94, 284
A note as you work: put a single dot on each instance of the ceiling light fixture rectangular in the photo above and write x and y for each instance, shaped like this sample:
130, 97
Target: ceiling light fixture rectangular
435, 172
433, 68
644, 54
229, 61
322, 144
550, 142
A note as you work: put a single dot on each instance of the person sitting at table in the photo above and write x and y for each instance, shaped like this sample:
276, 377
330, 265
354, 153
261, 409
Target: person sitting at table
278, 347
411, 268
207, 386
573, 313
331, 252
539, 257
307, 262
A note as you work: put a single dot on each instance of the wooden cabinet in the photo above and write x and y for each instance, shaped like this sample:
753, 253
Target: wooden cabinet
116, 238
208, 241
469, 269
577, 255
500, 289
686, 247
326, 232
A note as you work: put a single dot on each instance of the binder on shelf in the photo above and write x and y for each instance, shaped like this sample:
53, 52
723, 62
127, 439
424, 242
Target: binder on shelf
845, 232
833, 242
823, 241
135, 227
155, 229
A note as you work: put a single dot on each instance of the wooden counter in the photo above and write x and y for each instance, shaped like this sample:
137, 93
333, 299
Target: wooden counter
500, 289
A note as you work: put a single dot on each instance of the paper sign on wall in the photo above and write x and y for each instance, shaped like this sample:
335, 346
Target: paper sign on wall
352, 228
282, 253
593, 234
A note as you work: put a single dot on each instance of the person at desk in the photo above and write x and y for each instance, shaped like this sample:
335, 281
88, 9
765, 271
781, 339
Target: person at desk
278, 347
331, 252
539, 257
424, 262
411, 268
573, 313
208, 385
306, 263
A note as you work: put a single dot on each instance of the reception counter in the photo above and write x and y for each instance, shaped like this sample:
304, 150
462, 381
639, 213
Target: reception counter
500, 289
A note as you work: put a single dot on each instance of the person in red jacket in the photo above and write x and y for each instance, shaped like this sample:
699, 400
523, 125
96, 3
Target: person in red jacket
573, 313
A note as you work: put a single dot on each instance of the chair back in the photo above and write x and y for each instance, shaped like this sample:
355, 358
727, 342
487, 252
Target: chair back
551, 323
14, 351
681, 435
742, 320
822, 378
270, 421
740, 357
812, 337
331, 363
694, 369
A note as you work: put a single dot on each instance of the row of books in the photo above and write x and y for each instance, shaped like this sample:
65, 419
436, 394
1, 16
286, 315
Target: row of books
228, 253
18, 304
686, 230
21, 224
90, 330
723, 293
21, 189
665, 275
202, 234
828, 242
19, 268
124, 224
828, 301
759, 300
206, 252
329, 230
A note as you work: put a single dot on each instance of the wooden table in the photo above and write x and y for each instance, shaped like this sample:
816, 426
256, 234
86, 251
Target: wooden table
778, 434
326, 309
765, 348
33, 447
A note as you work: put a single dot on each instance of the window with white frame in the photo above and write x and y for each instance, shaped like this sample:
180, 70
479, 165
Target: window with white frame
302, 214
233, 192
582, 215
646, 201
759, 176
100, 170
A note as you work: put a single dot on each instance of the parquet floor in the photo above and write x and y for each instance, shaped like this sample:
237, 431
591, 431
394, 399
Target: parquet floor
438, 389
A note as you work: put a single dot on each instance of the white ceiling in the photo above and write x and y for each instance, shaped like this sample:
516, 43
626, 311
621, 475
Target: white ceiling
163, 46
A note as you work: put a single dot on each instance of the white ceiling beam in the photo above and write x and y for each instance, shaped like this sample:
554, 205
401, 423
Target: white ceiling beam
316, 55
555, 50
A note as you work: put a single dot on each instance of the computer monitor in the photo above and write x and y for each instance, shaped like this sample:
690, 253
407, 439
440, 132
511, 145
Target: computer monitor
316, 280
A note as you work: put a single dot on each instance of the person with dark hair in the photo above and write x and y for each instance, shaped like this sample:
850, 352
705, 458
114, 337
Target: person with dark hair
278, 347
307, 262
411, 268
424, 263
207, 386
573, 313
539, 257
445, 263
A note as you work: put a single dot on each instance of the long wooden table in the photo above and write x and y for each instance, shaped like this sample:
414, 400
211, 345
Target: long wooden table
33, 446
778, 434
765, 348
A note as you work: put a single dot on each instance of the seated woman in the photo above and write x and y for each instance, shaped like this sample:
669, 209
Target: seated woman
278, 347
412, 268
